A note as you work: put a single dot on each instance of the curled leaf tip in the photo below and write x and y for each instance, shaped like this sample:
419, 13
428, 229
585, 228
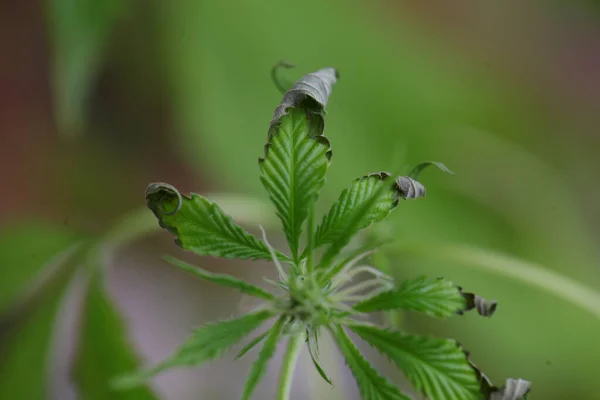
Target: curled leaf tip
415, 172
316, 86
484, 307
513, 389
282, 84
408, 188
163, 199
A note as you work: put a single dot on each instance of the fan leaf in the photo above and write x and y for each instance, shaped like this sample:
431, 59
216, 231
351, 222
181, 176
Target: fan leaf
438, 368
221, 279
201, 226
206, 343
435, 297
371, 385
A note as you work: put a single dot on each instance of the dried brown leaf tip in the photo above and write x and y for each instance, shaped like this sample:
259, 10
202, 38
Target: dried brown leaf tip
513, 389
484, 307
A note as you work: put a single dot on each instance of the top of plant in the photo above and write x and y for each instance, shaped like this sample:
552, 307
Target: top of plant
317, 289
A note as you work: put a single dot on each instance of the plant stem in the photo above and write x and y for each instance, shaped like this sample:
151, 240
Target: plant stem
289, 365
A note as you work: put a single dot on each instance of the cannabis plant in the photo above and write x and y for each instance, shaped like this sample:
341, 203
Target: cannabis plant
318, 288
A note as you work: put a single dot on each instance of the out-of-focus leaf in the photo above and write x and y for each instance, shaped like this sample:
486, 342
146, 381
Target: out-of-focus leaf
297, 154
206, 343
201, 225
371, 385
415, 172
266, 353
103, 349
436, 297
251, 345
24, 252
80, 31
221, 279
438, 368
27, 322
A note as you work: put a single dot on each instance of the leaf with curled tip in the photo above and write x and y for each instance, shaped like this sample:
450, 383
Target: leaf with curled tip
415, 172
513, 389
201, 226
368, 199
435, 297
438, 368
484, 307
297, 154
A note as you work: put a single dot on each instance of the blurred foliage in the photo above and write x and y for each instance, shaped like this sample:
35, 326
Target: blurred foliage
522, 160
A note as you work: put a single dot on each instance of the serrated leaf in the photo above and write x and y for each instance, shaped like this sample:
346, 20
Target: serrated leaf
221, 279
297, 154
201, 226
103, 350
438, 368
435, 297
293, 169
371, 385
206, 343
266, 353
368, 199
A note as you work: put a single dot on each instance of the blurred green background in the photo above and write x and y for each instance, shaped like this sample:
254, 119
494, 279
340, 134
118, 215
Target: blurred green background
100, 98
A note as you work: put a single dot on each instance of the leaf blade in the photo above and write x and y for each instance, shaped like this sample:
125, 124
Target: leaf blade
201, 226
434, 297
293, 169
103, 351
221, 279
372, 386
205, 344
438, 368
260, 365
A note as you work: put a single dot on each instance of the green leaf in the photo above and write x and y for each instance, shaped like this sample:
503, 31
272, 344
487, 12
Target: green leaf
312, 342
415, 172
103, 350
368, 199
438, 368
221, 279
27, 322
201, 225
206, 343
371, 385
266, 353
251, 345
435, 297
79, 33
297, 154
293, 169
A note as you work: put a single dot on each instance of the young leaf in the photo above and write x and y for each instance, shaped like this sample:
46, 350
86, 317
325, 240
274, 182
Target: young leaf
206, 343
103, 350
297, 154
436, 297
312, 340
266, 353
368, 199
201, 225
221, 279
438, 368
371, 385
415, 172
251, 345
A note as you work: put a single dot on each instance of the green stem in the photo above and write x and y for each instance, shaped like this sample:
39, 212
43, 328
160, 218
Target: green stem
289, 365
